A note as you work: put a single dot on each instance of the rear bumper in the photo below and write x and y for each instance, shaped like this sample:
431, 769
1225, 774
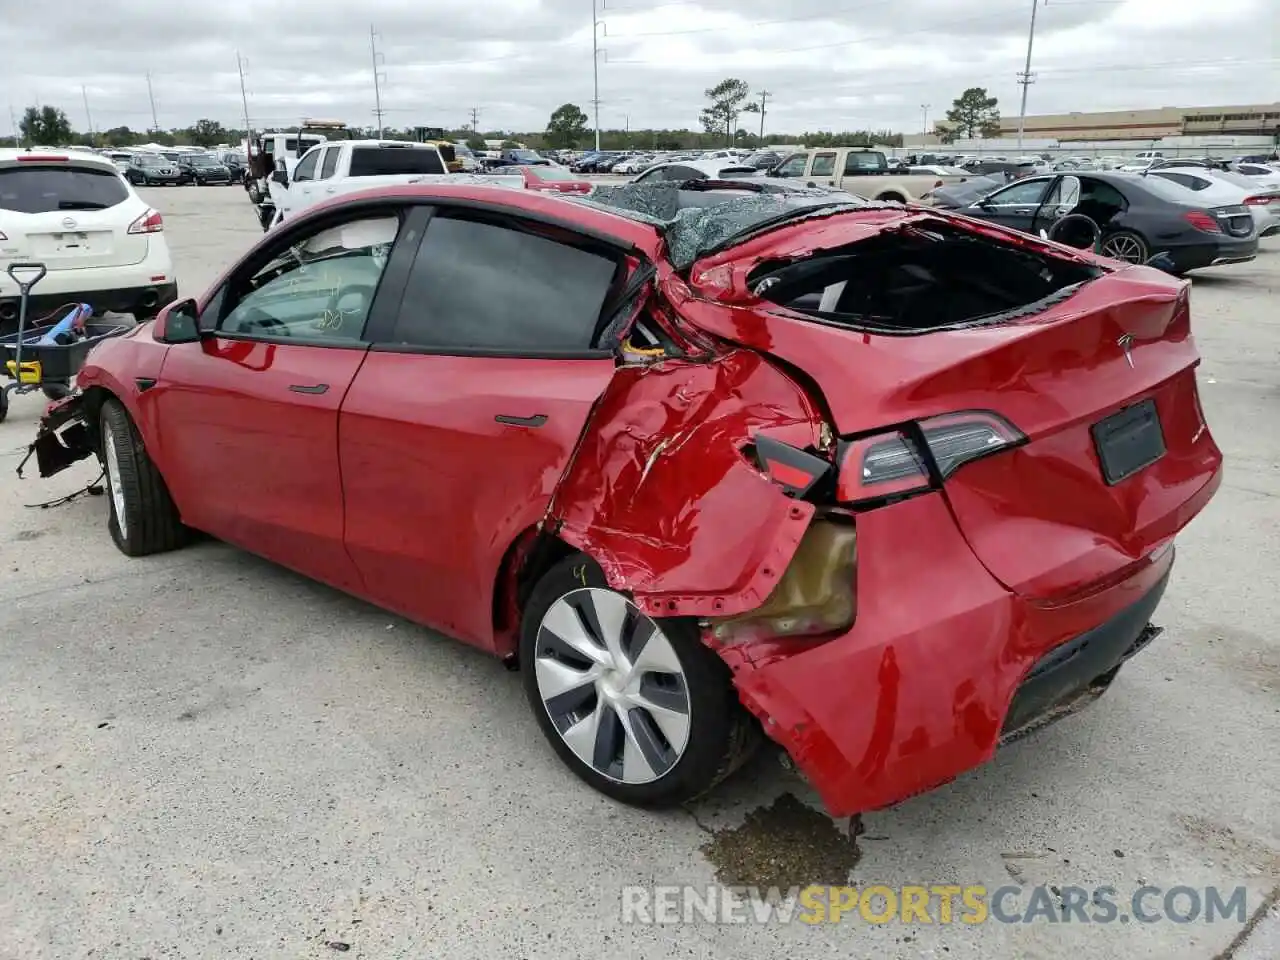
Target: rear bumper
1212, 253
942, 665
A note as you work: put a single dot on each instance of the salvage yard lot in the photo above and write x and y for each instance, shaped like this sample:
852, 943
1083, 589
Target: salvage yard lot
204, 755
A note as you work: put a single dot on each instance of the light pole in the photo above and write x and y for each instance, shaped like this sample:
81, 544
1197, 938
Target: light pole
1026, 78
924, 119
595, 67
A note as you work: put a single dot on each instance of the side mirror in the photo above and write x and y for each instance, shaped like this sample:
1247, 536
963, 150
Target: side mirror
281, 177
179, 322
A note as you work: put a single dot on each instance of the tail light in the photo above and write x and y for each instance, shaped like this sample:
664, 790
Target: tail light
1202, 222
149, 222
1260, 200
917, 457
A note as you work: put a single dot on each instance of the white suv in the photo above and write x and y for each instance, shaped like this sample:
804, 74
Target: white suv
100, 242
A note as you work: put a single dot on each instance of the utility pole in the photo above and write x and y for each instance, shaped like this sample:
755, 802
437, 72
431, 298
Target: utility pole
244, 100
13, 119
1026, 77
924, 119
764, 99
155, 120
595, 67
377, 78
475, 120
87, 115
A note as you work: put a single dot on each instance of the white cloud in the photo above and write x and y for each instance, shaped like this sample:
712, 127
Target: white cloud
829, 64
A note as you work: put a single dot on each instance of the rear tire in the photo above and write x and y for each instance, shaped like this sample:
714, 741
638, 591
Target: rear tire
56, 391
1125, 246
143, 518
685, 730
4, 404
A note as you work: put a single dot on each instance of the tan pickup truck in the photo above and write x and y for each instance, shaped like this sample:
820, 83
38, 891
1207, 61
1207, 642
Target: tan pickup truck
859, 171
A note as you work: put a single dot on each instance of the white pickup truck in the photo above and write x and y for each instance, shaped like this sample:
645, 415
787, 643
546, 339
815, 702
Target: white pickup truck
860, 171
345, 166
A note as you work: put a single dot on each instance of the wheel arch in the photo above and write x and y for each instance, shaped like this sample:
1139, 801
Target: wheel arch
526, 560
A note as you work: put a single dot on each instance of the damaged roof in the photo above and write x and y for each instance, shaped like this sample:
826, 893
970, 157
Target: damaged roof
696, 220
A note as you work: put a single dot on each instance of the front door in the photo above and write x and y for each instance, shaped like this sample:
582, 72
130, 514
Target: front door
467, 411
1015, 206
248, 416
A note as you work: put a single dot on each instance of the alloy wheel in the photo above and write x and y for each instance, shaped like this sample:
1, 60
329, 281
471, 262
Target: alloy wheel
113, 479
612, 685
1128, 249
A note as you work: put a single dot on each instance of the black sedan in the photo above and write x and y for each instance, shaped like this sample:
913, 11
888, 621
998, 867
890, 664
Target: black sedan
1138, 216
200, 169
146, 169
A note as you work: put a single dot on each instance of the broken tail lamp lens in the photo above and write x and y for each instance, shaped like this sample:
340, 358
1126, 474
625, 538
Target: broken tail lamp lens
816, 594
893, 465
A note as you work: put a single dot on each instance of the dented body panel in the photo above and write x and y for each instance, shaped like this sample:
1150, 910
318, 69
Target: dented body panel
659, 487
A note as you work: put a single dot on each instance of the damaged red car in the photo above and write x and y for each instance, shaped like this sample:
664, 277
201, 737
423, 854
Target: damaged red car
884, 485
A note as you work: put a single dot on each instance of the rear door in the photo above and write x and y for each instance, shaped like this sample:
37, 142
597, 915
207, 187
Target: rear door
68, 215
302, 185
248, 416
468, 409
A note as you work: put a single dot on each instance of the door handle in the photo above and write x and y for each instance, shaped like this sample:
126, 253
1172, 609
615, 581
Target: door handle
330, 190
535, 421
309, 388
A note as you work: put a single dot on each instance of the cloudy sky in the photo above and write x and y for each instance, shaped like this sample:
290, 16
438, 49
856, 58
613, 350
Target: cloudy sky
828, 64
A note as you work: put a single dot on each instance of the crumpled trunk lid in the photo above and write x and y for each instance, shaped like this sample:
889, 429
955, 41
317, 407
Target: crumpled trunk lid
1044, 517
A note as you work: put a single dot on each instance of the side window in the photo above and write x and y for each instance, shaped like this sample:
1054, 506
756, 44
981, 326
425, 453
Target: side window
482, 287
824, 165
793, 166
1022, 194
330, 162
306, 169
315, 289
1065, 193
862, 161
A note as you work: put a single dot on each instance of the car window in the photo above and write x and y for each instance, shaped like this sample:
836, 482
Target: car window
859, 161
1183, 180
306, 169
479, 286
317, 288
1021, 194
1065, 193
824, 164
39, 189
1100, 192
389, 161
330, 162
793, 166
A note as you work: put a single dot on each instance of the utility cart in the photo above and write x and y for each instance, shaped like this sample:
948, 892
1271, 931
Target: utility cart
48, 353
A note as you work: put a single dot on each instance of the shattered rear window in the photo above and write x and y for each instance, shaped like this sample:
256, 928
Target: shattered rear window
694, 224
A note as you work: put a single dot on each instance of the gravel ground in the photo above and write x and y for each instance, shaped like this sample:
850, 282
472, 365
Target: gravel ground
206, 756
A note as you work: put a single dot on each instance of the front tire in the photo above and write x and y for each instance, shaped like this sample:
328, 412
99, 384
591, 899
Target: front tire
636, 707
143, 518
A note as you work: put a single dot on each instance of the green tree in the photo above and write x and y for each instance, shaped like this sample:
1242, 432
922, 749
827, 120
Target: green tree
46, 127
207, 133
476, 143
974, 114
568, 125
119, 137
726, 97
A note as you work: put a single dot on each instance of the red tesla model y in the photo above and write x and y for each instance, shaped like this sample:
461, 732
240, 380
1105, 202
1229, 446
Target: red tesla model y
882, 484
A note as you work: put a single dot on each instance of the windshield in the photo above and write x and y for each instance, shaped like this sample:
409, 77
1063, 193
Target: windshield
524, 154
204, 161
693, 231
151, 161
462, 150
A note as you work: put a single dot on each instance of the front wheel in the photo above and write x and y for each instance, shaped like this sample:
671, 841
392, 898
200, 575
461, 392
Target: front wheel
635, 706
143, 518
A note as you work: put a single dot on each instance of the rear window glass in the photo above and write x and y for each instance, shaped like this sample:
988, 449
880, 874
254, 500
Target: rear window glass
388, 161
46, 189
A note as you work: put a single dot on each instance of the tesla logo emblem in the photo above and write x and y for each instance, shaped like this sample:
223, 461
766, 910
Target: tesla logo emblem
68, 222
1125, 343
